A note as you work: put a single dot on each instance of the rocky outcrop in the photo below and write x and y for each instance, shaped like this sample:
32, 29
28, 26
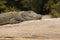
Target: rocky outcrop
35, 29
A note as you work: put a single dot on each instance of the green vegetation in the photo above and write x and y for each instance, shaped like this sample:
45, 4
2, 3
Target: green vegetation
51, 7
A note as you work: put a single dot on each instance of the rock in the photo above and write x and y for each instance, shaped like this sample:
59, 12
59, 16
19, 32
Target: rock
43, 29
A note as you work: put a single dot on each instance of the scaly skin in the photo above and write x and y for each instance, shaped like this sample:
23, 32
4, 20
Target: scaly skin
16, 17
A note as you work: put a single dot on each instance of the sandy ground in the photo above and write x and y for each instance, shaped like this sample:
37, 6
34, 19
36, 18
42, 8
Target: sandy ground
45, 29
25, 39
